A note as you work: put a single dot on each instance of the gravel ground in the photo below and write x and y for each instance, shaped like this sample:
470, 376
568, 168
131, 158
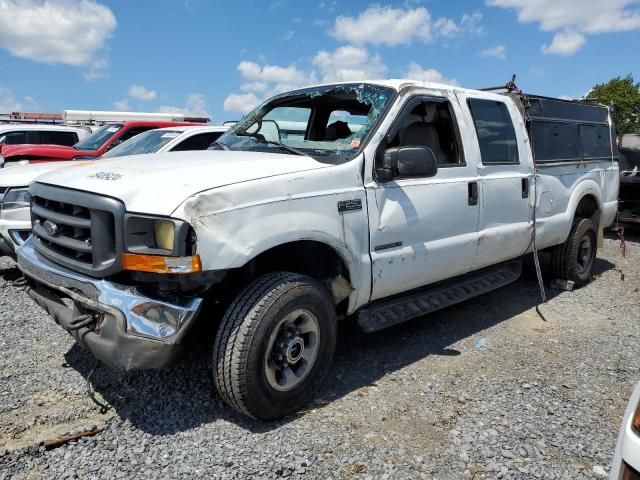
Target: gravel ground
485, 389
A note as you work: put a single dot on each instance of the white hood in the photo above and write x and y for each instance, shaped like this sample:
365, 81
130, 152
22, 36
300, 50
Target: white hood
23, 175
159, 183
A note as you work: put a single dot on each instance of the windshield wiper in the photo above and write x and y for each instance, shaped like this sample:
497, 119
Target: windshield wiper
295, 151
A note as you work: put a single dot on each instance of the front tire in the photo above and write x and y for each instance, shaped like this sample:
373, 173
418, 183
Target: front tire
574, 259
274, 345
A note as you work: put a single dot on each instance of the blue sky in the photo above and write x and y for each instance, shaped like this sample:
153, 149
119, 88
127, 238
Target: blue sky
220, 58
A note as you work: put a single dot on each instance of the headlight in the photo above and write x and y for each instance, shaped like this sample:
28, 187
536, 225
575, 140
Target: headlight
159, 245
1, 161
16, 198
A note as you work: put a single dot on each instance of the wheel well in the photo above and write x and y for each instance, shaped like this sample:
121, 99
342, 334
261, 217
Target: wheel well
307, 257
588, 208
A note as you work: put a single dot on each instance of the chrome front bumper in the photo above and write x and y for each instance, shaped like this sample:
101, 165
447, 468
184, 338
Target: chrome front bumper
132, 330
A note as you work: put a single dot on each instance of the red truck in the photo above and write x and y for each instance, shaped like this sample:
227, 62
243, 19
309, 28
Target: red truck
101, 141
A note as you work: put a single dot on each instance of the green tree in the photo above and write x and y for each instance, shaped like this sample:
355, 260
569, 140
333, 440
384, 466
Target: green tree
624, 95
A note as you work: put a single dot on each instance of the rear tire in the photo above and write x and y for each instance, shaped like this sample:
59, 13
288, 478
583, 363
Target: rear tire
274, 345
574, 259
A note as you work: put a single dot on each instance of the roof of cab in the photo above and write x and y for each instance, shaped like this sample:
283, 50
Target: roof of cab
399, 84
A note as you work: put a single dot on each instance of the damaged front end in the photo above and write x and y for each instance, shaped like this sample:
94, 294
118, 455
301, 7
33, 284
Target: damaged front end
120, 325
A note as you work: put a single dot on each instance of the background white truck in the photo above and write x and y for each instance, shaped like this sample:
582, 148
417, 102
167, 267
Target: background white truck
15, 216
400, 198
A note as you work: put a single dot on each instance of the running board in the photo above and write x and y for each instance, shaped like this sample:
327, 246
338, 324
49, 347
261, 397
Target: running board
388, 312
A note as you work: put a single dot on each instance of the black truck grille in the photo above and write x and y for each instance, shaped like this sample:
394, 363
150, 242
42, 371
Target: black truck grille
78, 230
72, 236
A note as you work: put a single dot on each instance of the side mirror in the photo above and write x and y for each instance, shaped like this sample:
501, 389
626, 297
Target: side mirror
401, 162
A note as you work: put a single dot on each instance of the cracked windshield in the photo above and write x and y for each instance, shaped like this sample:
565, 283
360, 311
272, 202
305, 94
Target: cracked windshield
328, 123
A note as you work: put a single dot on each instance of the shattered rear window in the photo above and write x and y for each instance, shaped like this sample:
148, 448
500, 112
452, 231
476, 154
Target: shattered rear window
330, 123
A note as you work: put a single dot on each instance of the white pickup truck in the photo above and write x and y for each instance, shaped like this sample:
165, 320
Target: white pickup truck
397, 199
15, 217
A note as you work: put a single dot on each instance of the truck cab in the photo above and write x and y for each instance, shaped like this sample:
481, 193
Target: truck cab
399, 198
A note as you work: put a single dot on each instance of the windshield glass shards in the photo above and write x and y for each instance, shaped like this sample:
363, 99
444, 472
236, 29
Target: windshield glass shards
329, 123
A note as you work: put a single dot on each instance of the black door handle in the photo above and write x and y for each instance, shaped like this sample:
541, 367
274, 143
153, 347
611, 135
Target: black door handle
525, 188
473, 193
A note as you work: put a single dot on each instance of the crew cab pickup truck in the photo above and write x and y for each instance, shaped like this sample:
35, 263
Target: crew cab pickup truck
400, 198
101, 141
15, 215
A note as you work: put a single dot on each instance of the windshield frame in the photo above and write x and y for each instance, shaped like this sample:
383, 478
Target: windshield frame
104, 127
332, 157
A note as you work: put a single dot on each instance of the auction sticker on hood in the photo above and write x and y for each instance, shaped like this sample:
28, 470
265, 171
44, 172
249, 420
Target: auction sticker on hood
106, 176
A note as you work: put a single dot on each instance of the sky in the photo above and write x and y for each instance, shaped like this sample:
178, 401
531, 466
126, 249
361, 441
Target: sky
221, 58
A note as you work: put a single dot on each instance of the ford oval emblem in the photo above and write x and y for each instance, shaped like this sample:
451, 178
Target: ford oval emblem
51, 228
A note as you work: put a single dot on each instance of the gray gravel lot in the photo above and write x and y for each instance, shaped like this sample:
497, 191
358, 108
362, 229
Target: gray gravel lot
485, 389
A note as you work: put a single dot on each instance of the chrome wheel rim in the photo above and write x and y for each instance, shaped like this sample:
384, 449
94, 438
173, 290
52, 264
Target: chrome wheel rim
292, 350
585, 253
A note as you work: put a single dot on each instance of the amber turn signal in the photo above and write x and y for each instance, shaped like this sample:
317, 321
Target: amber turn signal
161, 264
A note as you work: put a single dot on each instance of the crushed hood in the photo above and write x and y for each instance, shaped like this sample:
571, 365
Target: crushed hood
159, 183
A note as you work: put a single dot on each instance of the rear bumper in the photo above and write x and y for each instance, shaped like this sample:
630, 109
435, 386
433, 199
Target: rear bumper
131, 331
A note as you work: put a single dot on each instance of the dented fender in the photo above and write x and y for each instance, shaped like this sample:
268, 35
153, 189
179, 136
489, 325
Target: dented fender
236, 223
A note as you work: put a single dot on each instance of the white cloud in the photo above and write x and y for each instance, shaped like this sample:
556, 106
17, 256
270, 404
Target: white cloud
265, 80
385, 25
9, 103
499, 51
469, 24
262, 81
195, 106
71, 32
141, 93
97, 70
241, 102
564, 43
416, 72
574, 19
282, 77
122, 106
349, 63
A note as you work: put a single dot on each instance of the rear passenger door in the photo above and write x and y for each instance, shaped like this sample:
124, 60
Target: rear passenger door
505, 174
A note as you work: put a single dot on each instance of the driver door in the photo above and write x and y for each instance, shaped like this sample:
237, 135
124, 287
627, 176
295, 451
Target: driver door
423, 230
